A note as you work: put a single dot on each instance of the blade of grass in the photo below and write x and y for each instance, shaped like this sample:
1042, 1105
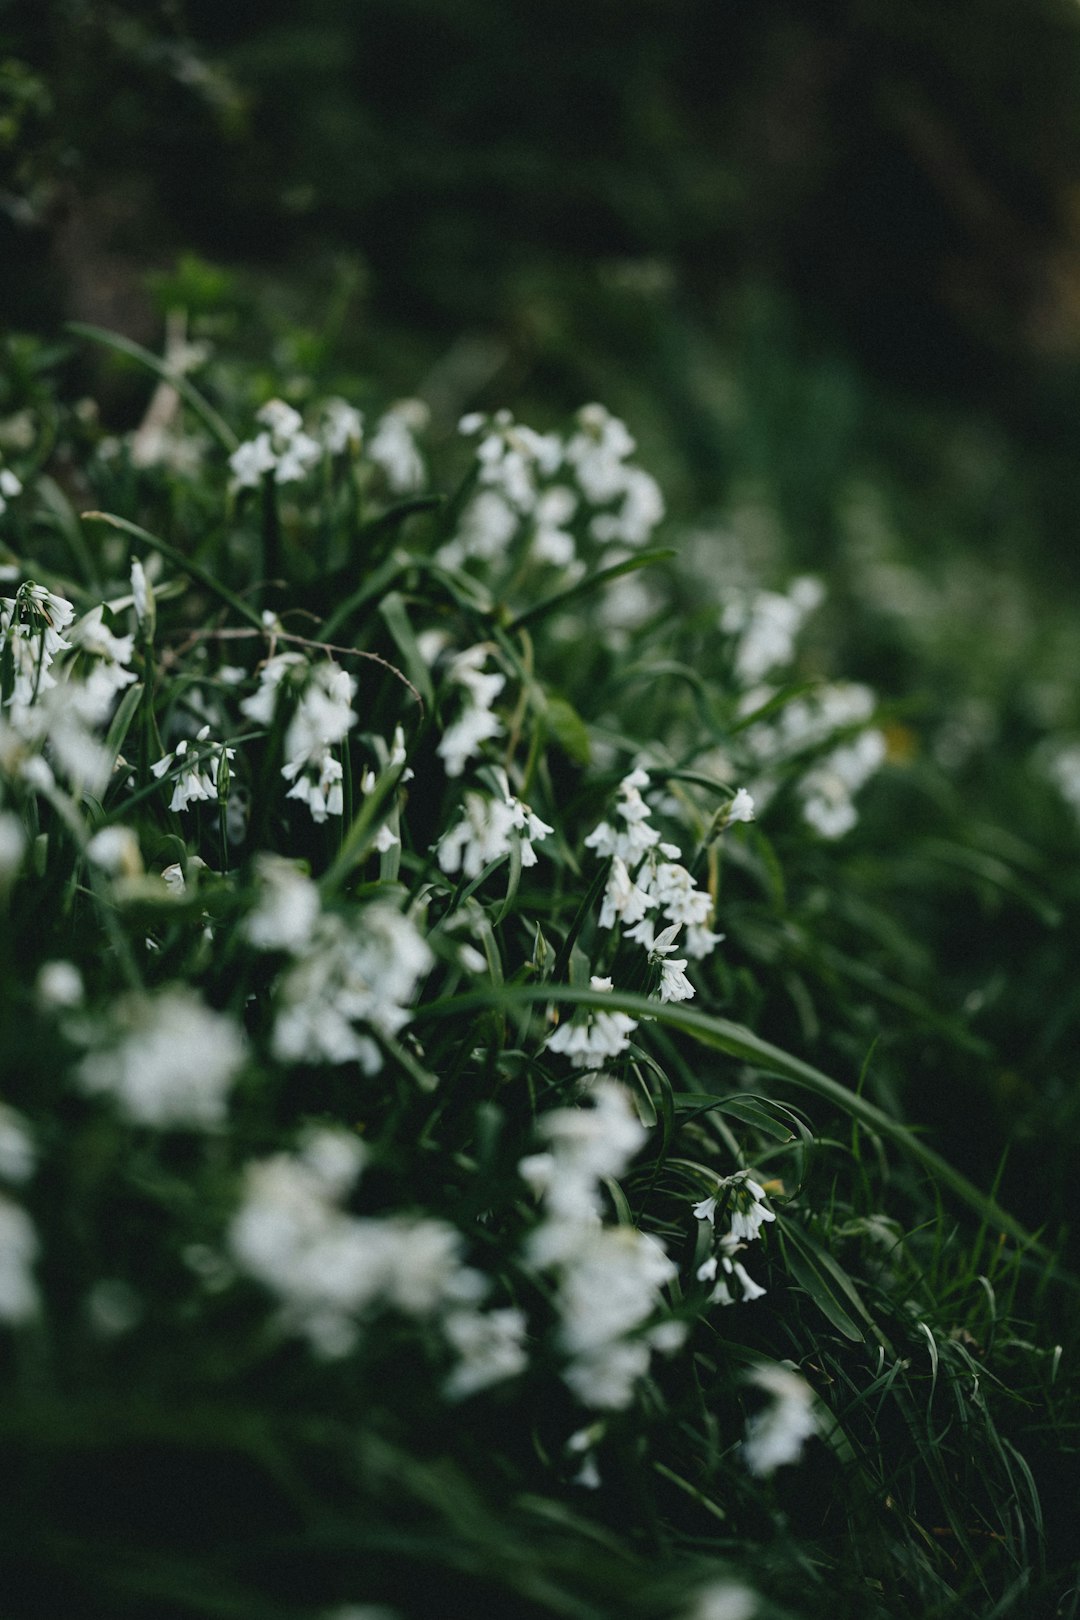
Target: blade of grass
206, 413
187, 564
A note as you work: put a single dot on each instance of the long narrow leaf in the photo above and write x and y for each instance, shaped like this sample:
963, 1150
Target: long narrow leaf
739, 1042
187, 564
218, 426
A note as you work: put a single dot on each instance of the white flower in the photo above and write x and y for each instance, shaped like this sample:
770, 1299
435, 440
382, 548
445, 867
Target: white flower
393, 447
262, 703
462, 740
17, 1155
741, 807
749, 1212
363, 974
199, 779
343, 426
59, 984
142, 597
31, 626
320, 788
488, 524
673, 887
551, 541
744, 1200
168, 1059
284, 450
827, 790
91, 634
624, 900
609, 1287
723, 1600
116, 850
633, 843
476, 724
490, 1347
750, 1289
323, 716
485, 832
777, 1434
701, 941
328, 1268
479, 836
674, 985
766, 626
590, 1040
251, 461
9, 488
18, 1251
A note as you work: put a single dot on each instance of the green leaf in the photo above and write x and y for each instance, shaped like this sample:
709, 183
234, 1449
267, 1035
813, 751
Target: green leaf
568, 729
394, 613
206, 413
761, 1114
584, 587
187, 565
828, 1285
121, 721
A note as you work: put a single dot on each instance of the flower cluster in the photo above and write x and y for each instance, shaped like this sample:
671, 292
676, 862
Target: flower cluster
548, 491
331, 1270
347, 972
488, 828
282, 452
609, 1277
830, 733
743, 1199
476, 721
647, 875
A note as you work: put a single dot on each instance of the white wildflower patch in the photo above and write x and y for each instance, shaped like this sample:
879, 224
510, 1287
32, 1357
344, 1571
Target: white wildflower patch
598, 452
827, 788
743, 1200
321, 718
166, 1059
490, 1346
331, 1271
32, 625
637, 836
342, 427
765, 626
